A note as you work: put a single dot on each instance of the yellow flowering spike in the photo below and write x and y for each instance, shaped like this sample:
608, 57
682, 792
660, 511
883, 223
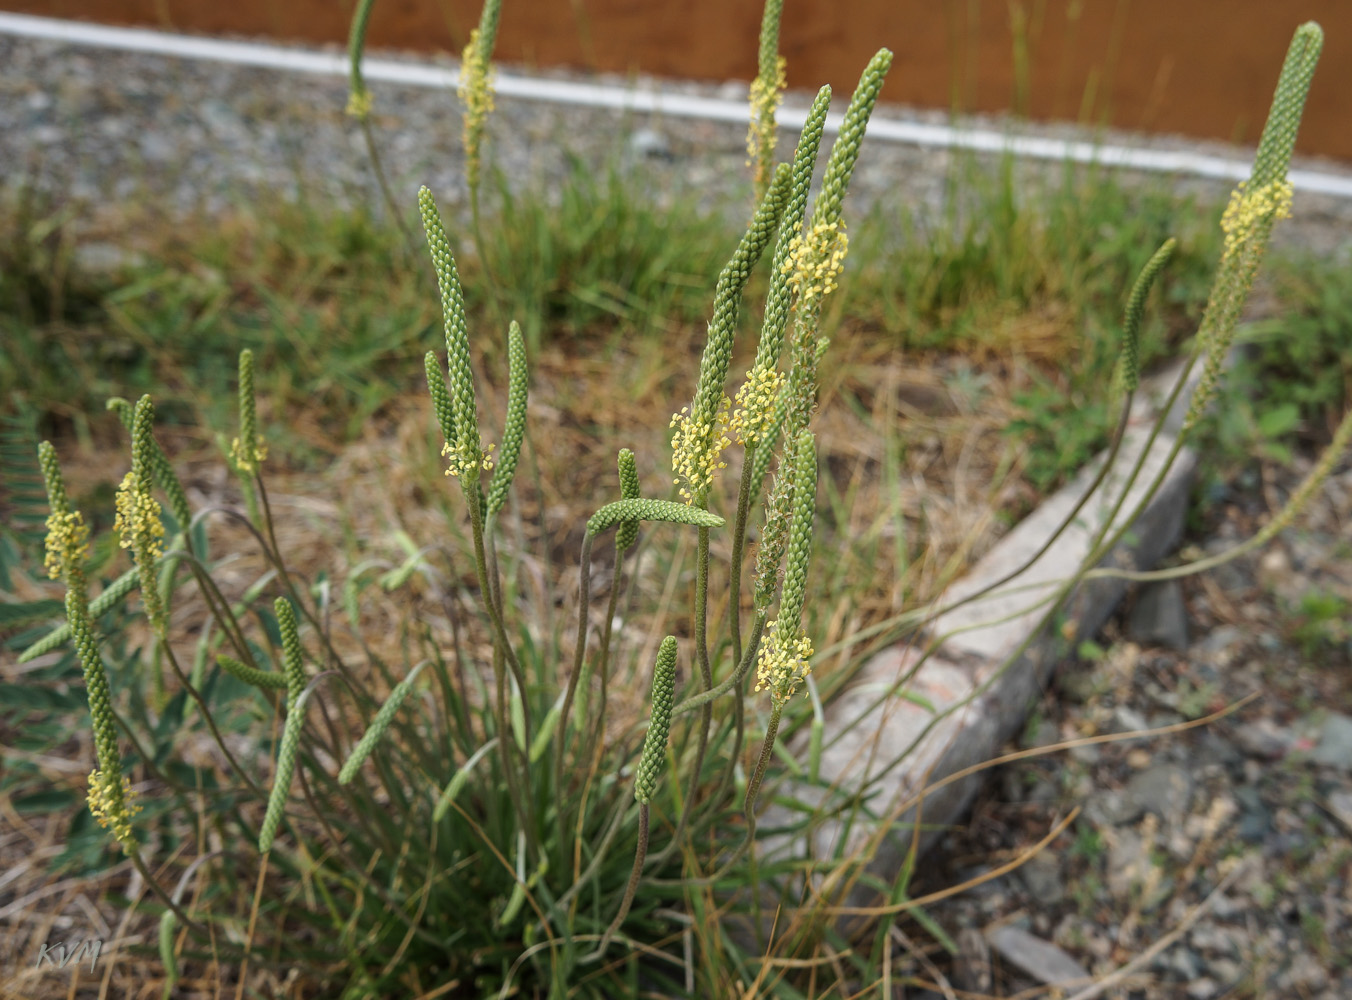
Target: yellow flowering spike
67, 542
783, 662
696, 449
755, 404
815, 262
110, 802
476, 87
1250, 210
766, 92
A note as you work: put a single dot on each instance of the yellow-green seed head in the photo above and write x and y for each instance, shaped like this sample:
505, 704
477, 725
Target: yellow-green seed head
800, 532
514, 428
358, 97
138, 522
292, 660
622, 511
466, 452
110, 802
767, 91
783, 661
249, 450
627, 533
1129, 363
654, 755
476, 97
845, 150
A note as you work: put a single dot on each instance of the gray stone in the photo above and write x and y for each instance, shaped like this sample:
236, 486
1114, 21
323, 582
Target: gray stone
1220, 641
1340, 804
1128, 860
1041, 959
1334, 748
1263, 739
1159, 617
1182, 962
1255, 820
1041, 875
1165, 790
1127, 720
1203, 989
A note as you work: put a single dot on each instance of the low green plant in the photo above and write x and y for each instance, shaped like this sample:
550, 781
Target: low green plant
496, 830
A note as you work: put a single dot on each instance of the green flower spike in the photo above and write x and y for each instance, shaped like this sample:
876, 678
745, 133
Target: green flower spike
378, 726
165, 477
466, 452
767, 90
138, 521
630, 511
752, 419
784, 659
654, 757
1255, 207
774, 535
845, 151
358, 97
292, 666
476, 87
441, 400
1129, 364
701, 427
67, 547
627, 534
249, 450
514, 430
266, 679
286, 769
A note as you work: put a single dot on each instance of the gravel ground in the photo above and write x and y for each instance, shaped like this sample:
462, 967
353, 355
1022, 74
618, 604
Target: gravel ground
1260, 801
1255, 808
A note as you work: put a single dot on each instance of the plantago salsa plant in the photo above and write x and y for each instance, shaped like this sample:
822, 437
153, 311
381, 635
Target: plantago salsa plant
496, 828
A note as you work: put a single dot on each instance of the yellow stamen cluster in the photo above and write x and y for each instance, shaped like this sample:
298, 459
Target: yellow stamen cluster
766, 95
67, 542
1249, 209
755, 403
359, 104
138, 518
696, 449
461, 458
814, 262
782, 665
247, 460
476, 96
112, 806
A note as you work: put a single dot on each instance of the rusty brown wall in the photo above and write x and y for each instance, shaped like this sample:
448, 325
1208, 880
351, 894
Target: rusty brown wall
1204, 68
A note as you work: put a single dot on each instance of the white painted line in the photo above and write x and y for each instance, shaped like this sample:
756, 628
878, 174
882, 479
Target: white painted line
645, 99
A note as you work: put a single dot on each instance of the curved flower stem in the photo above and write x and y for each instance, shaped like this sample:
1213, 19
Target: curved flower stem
640, 853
